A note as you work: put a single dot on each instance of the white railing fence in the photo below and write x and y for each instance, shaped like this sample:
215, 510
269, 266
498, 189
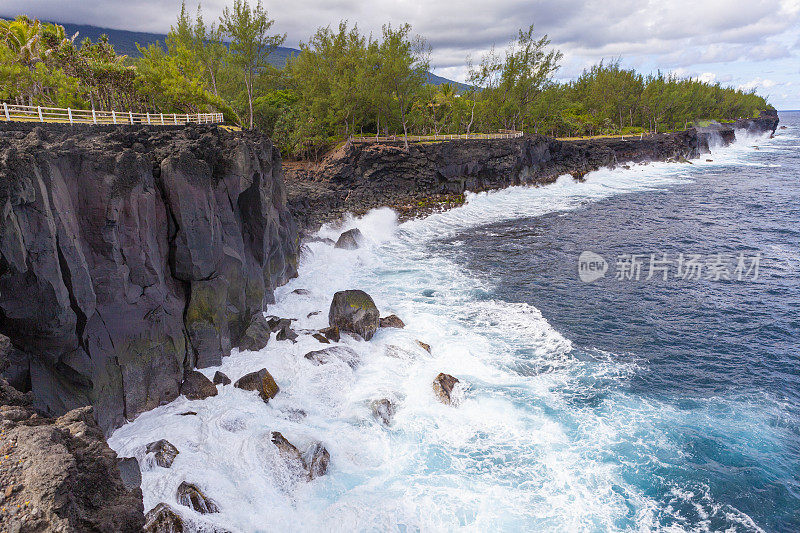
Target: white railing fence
24, 113
505, 134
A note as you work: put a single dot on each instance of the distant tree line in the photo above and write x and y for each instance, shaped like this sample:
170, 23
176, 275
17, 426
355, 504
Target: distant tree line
344, 82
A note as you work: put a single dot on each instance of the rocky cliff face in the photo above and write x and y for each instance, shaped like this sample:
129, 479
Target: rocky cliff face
60, 475
129, 256
362, 176
366, 175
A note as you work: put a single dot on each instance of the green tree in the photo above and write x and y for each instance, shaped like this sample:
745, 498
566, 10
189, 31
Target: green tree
510, 84
402, 69
250, 41
329, 75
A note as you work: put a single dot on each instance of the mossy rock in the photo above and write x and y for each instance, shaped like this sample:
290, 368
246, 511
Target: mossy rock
163, 519
191, 496
354, 311
260, 381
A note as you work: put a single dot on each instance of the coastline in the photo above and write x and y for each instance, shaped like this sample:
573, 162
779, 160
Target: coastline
418, 180
430, 177
331, 402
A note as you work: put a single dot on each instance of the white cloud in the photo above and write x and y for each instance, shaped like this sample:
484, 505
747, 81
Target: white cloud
758, 83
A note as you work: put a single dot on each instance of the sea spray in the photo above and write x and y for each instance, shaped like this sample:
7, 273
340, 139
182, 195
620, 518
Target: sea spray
521, 452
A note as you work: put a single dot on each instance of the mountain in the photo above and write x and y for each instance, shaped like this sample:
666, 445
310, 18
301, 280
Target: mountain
125, 41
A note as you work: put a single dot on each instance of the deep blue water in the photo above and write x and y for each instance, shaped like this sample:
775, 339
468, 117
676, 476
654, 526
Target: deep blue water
716, 363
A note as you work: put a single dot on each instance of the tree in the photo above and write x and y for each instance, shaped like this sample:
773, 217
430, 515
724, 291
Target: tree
402, 69
251, 44
511, 84
201, 47
329, 76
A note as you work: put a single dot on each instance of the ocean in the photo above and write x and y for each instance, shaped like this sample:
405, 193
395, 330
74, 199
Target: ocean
628, 346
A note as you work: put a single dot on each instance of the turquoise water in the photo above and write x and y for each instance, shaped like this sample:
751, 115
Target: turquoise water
709, 411
614, 405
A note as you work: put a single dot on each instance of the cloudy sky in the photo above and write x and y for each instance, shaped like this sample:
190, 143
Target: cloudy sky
743, 43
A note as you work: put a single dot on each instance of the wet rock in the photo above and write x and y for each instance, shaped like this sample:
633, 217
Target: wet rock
369, 175
317, 460
383, 410
399, 352
164, 451
196, 386
188, 413
130, 472
277, 323
443, 387
312, 464
221, 379
301, 292
426, 347
313, 313
191, 496
256, 336
321, 338
350, 239
290, 454
163, 519
331, 333
334, 353
325, 240
261, 381
286, 334
391, 321
294, 415
282, 328
354, 311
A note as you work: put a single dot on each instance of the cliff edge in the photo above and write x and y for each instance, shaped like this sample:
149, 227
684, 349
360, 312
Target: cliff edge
130, 255
360, 176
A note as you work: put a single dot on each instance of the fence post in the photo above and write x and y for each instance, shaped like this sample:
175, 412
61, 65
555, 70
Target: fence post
69, 112
148, 117
131, 115
114, 116
175, 118
41, 118
198, 118
5, 108
162, 119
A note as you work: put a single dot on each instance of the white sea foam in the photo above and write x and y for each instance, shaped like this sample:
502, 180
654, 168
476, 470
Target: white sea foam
517, 454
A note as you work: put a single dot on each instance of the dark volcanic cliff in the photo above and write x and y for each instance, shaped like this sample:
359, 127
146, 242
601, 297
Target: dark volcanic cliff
60, 475
361, 176
128, 256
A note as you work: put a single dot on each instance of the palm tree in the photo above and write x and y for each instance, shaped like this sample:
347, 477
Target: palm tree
23, 37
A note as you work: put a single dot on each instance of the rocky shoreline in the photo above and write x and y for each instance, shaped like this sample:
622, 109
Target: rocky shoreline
129, 257
433, 176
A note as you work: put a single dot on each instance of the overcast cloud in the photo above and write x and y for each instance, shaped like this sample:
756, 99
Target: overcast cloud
747, 43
